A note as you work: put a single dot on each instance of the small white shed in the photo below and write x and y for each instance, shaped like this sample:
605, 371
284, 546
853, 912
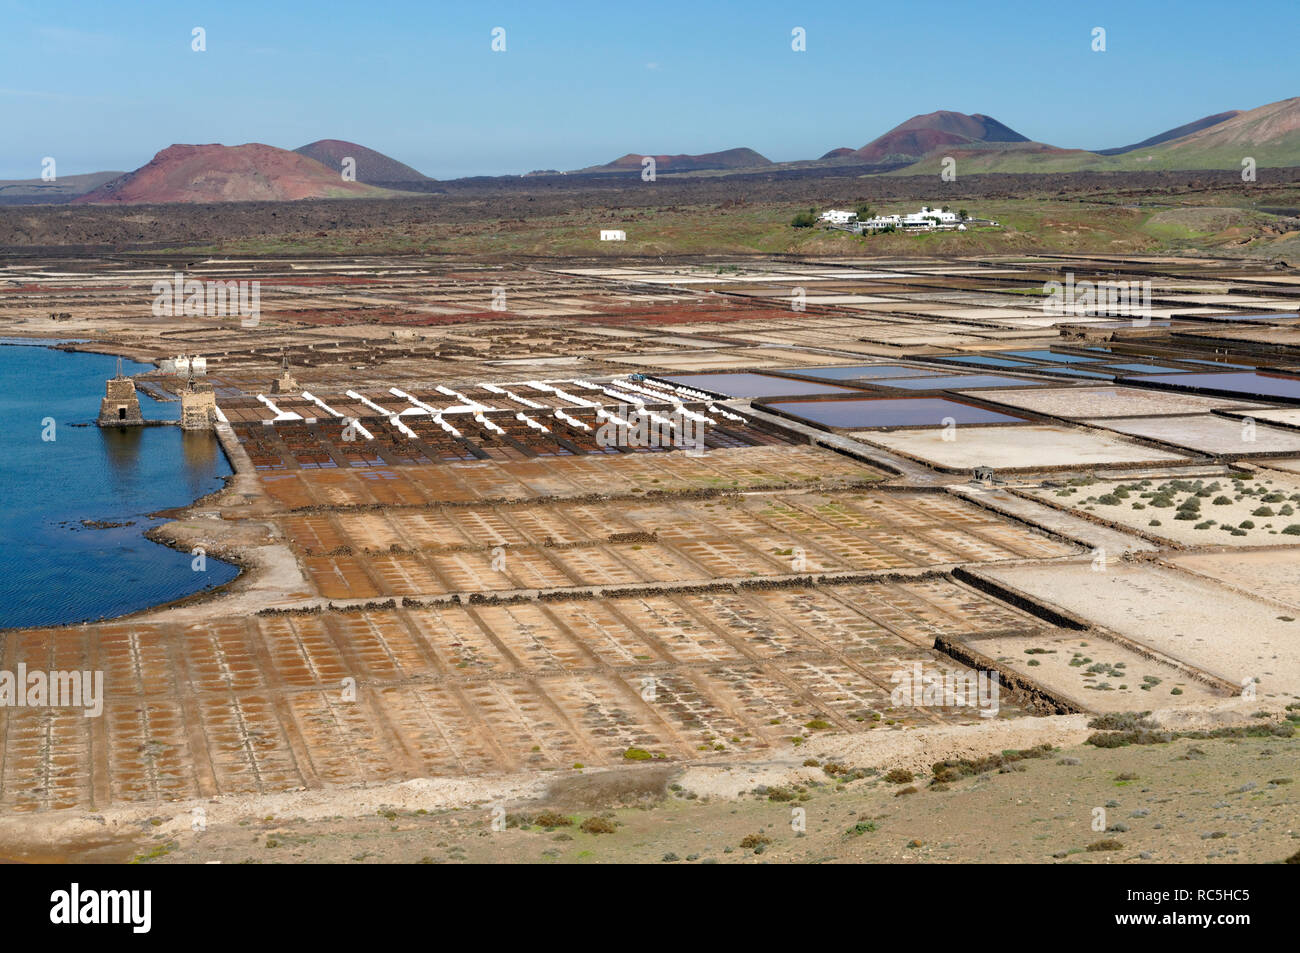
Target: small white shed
613, 235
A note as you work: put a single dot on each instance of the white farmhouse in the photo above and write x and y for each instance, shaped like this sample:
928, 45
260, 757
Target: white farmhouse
883, 221
836, 216
613, 235
930, 218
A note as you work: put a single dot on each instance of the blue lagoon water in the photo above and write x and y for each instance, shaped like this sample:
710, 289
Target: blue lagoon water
54, 569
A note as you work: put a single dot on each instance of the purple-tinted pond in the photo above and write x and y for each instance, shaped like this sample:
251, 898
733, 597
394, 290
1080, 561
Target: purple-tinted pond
1251, 383
861, 372
756, 385
1045, 355
959, 381
891, 412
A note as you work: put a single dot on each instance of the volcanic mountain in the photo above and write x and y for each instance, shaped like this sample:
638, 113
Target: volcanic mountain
726, 160
216, 173
1270, 135
921, 135
1176, 133
372, 168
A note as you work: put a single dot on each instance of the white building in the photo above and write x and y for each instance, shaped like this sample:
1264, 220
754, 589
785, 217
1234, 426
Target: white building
613, 235
930, 218
835, 216
883, 221
184, 365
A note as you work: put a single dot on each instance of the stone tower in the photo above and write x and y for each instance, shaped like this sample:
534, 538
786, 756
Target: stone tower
120, 406
198, 407
284, 384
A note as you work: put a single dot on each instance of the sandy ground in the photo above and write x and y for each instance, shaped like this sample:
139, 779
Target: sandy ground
1219, 801
1094, 673
1033, 446
1207, 433
1262, 574
1088, 532
1214, 629
1225, 503
1289, 416
1227, 800
1074, 403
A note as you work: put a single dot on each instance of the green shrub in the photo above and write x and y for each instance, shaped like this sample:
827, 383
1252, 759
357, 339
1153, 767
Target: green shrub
956, 769
552, 819
598, 825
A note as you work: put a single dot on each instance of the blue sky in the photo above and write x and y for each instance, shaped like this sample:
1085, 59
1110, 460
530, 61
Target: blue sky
106, 85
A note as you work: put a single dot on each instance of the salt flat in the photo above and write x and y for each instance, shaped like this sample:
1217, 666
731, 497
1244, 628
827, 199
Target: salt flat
1028, 447
1213, 628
